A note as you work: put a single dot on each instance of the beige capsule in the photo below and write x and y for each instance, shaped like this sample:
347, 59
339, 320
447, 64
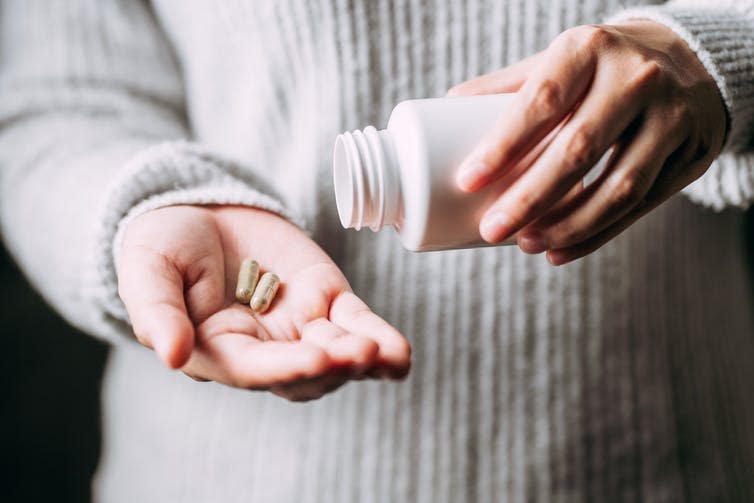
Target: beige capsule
248, 274
264, 293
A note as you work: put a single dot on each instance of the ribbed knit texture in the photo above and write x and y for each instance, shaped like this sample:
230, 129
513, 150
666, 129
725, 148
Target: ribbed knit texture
622, 377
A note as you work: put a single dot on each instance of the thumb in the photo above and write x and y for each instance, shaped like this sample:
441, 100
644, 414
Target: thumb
505, 80
151, 287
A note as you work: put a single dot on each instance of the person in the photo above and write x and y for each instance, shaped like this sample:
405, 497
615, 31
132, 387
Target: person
147, 148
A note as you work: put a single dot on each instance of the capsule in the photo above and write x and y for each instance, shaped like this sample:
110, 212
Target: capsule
264, 293
248, 274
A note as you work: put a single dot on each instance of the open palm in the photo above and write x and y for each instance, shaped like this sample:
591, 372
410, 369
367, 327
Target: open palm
177, 271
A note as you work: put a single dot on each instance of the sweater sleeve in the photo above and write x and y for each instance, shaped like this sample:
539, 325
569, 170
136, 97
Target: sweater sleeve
721, 33
92, 133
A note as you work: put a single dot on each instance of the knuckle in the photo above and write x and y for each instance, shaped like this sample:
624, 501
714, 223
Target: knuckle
546, 98
679, 113
648, 72
581, 148
625, 191
567, 38
593, 36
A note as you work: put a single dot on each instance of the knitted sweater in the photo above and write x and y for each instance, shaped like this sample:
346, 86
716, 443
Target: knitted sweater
624, 376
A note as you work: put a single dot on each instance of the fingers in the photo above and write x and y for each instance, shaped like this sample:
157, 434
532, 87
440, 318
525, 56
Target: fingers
235, 349
353, 315
565, 255
357, 344
676, 173
592, 83
594, 128
354, 352
623, 186
526, 241
151, 288
506, 80
548, 96
242, 361
325, 359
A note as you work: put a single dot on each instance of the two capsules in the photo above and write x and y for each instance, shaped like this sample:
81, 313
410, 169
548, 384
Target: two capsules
257, 292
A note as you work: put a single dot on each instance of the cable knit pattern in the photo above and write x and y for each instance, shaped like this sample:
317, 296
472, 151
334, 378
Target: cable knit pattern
622, 377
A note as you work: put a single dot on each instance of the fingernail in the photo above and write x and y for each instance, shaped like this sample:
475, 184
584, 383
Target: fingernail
471, 175
557, 258
494, 227
532, 243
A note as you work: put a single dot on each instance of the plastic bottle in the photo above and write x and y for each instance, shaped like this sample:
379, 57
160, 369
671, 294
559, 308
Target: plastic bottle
404, 176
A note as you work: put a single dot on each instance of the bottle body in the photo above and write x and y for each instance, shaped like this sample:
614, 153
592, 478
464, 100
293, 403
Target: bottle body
404, 176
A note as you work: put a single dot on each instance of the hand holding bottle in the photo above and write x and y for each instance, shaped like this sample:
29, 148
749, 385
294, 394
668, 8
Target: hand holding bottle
636, 87
177, 273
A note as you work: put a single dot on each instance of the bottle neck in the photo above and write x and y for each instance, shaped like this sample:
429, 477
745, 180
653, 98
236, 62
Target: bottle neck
366, 178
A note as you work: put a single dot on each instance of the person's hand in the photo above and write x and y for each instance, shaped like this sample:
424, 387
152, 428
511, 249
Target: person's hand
635, 86
177, 273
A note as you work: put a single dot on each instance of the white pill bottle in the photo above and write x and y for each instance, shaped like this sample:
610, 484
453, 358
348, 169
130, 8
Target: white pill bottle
404, 176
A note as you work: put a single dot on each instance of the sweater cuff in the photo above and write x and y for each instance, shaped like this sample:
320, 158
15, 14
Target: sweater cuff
170, 174
723, 40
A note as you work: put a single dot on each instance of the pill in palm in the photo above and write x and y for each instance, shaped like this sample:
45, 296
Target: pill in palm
264, 293
248, 274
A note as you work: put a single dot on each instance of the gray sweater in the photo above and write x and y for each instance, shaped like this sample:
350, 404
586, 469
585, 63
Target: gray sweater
625, 376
